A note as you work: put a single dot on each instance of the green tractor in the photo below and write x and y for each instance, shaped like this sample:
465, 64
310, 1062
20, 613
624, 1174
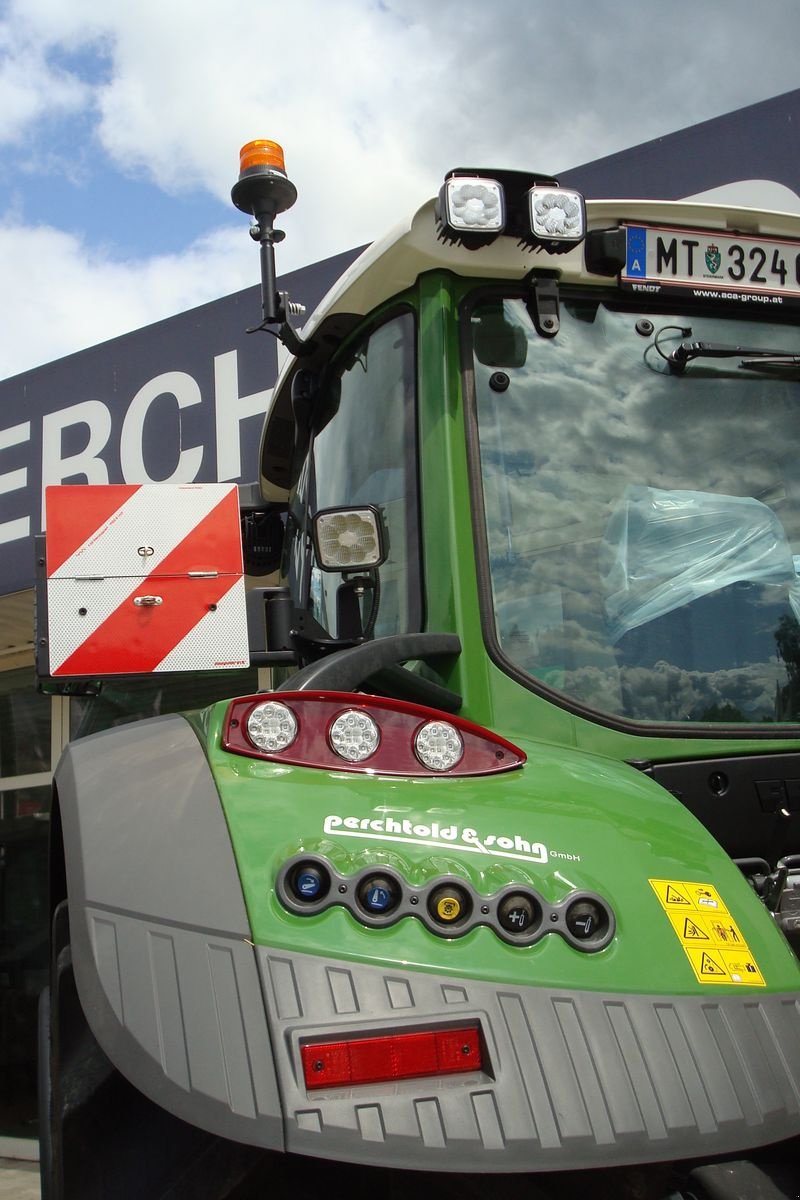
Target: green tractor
499, 873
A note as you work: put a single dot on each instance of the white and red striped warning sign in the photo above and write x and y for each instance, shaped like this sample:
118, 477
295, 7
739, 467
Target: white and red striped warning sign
144, 578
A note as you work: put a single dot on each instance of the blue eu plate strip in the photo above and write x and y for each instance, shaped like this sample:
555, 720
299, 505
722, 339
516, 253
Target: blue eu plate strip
637, 251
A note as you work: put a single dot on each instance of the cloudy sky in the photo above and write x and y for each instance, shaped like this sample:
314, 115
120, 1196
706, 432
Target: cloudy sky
120, 126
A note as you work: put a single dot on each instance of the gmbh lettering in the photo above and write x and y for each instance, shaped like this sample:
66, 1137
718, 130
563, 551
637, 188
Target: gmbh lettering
445, 836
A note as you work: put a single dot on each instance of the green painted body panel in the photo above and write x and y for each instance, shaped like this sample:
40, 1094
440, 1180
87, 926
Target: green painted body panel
607, 829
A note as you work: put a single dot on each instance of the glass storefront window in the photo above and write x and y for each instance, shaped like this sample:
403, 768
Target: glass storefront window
24, 725
132, 699
25, 749
23, 949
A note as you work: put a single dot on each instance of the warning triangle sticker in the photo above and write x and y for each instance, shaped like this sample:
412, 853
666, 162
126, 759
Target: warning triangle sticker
673, 896
708, 966
693, 932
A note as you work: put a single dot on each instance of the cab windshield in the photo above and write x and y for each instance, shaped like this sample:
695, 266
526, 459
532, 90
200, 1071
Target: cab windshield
642, 512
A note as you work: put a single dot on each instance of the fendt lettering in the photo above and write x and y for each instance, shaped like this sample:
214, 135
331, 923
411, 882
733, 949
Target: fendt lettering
523, 565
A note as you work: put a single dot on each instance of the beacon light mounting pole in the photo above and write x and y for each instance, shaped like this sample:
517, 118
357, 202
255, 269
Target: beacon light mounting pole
263, 190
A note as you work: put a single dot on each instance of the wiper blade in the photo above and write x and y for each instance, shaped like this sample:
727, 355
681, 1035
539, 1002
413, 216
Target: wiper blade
770, 362
687, 351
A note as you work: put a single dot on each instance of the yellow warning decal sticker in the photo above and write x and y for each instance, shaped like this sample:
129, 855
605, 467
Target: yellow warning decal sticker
695, 929
710, 937
721, 966
675, 895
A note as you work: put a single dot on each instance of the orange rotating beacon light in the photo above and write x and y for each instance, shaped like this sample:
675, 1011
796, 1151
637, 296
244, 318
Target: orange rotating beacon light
263, 190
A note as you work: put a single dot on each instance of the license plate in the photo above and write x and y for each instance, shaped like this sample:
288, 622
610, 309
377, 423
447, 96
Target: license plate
711, 265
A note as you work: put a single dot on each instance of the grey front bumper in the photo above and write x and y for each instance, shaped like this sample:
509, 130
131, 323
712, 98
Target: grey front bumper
575, 1079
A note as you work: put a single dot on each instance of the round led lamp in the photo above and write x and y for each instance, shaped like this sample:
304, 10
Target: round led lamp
354, 736
438, 746
272, 727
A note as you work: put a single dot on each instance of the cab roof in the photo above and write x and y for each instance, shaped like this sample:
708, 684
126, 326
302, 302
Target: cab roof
393, 264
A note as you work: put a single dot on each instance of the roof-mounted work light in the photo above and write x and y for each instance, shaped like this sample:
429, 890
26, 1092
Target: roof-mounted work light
558, 217
475, 207
471, 209
263, 190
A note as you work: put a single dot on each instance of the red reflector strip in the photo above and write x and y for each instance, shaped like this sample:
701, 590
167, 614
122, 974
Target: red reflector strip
392, 1056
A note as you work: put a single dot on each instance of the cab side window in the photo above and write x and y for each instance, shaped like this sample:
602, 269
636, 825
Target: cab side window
364, 452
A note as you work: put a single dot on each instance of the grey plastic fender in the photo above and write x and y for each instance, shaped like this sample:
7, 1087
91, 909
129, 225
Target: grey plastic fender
164, 966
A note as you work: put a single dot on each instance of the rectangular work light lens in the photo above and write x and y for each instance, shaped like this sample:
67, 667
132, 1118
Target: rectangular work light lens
557, 214
348, 539
389, 1057
474, 205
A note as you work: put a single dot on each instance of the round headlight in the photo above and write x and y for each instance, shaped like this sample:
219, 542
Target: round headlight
354, 735
272, 726
438, 746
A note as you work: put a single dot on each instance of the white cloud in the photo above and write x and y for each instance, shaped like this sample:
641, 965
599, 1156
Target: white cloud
374, 94
75, 296
31, 88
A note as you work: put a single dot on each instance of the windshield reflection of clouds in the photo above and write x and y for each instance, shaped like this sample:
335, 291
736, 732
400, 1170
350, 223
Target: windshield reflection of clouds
591, 414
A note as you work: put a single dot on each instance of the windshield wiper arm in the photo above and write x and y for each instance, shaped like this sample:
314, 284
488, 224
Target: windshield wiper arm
687, 351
